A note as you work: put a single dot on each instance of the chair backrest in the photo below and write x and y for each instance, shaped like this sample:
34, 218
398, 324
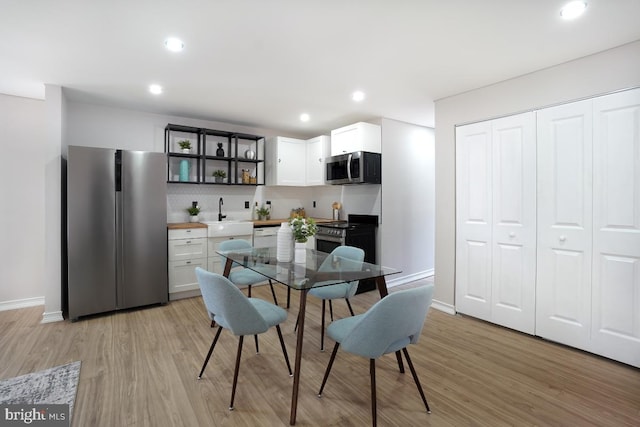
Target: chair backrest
229, 306
351, 259
395, 318
233, 245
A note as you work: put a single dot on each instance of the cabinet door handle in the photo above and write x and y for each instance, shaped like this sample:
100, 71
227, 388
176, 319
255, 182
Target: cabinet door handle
279, 160
188, 242
320, 159
188, 231
563, 238
188, 262
512, 234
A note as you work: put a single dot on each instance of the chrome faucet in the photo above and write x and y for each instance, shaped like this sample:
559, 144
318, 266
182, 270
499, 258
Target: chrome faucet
220, 216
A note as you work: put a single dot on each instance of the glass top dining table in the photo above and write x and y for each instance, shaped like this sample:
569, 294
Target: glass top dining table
319, 269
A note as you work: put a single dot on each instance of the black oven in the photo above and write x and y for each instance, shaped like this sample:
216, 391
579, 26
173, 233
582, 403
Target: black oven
360, 232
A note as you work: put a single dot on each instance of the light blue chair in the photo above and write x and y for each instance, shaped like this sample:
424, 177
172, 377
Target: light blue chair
350, 259
232, 310
389, 326
242, 276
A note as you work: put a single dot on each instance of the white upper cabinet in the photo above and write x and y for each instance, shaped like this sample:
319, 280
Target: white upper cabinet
317, 152
296, 162
286, 161
356, 137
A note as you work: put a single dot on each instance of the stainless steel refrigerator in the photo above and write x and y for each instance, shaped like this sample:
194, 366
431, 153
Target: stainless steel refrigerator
116, 230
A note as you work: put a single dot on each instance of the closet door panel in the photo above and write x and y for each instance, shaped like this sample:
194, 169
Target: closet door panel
563, 288
514, 222
473, 220
616, 239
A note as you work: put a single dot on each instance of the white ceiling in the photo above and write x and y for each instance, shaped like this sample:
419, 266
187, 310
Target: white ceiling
263, 62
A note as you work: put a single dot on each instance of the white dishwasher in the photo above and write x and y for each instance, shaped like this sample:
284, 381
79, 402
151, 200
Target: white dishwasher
265, 237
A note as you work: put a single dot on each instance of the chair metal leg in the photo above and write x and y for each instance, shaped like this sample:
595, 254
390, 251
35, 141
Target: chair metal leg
273, 293
374, 411
213, 344
331, 309
288, 297
326, 373
400, 364
415, 378
249, 291
255, 338
322, 325
235, 373
349, 305
284, 350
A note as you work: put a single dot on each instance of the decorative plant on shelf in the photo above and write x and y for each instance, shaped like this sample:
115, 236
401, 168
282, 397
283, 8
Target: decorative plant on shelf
194, 210
219, 173
185, 144
262, 213
302, 228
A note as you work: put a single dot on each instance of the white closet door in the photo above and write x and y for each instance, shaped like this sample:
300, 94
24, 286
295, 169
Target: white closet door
514, 222
616, 239
563, 291
473, 220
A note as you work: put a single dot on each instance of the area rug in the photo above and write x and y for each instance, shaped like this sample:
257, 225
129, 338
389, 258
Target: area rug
53, 386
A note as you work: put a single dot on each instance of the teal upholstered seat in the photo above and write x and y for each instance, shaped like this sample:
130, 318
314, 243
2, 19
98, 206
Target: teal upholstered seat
241, 315
390, 325
240, 275
350, 259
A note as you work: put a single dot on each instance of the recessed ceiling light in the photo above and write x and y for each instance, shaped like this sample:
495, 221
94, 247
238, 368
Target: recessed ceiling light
155, 89
358, 96
573, 9
174, 44
304, 117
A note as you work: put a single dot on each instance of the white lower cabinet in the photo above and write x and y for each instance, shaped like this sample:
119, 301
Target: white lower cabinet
187, 250
586, 285
214, 262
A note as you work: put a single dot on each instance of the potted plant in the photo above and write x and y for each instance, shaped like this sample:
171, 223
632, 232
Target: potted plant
194, 210
185, 145
263, 213
219, 175
302, 229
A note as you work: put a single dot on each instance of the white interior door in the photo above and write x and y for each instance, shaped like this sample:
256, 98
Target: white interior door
513, 249
473, 220
616, 239
563, 290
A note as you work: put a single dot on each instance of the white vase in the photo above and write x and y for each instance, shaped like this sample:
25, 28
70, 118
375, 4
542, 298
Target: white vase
300, 253
284, 243
186, 150
193, 218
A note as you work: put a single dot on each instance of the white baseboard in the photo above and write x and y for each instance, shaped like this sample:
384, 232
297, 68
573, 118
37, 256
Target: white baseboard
53, 316
403, 280
441, 306
21, 303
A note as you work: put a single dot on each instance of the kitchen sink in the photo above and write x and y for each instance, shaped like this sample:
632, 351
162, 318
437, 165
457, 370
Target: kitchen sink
229, 228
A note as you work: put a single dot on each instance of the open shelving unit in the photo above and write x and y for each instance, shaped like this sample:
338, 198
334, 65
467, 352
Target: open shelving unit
242, 156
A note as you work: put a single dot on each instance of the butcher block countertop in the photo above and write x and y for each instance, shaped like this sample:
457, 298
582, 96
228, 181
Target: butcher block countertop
184, 225
256, 223
274, 222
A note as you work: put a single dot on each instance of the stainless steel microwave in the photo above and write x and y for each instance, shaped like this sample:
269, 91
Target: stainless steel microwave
360, 167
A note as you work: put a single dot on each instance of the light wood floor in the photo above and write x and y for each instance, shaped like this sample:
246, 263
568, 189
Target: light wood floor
140, 367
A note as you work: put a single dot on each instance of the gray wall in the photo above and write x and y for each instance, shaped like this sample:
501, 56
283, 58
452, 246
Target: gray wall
593, 75
22, 203
408, 194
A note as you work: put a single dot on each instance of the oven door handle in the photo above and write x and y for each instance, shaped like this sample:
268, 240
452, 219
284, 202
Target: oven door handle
330, 239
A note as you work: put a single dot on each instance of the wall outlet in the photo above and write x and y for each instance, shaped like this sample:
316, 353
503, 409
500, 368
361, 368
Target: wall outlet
246, 204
